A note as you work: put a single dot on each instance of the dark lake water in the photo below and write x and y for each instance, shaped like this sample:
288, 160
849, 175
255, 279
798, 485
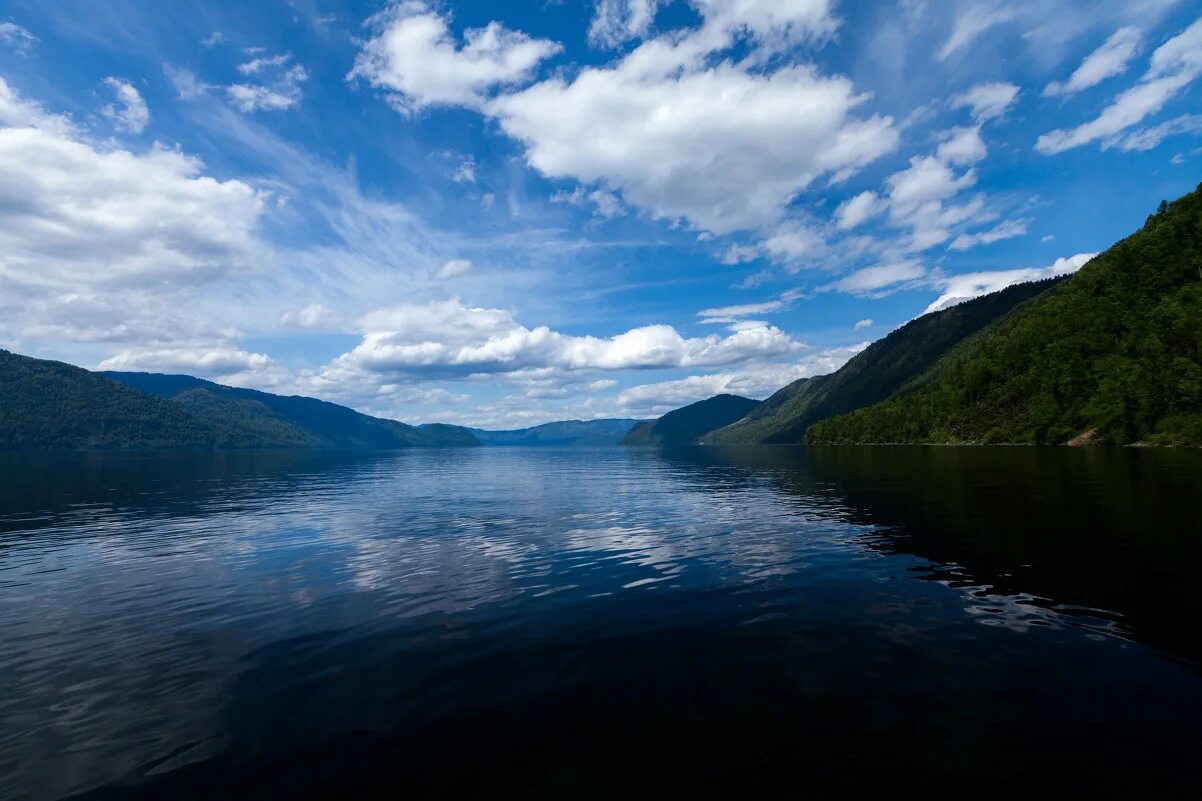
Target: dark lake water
612, 623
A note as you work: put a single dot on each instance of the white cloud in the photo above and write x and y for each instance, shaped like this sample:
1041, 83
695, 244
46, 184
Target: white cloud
1010, 229
16, 36
960, 288
732, 314
761, 138
1109, 60
618, 21
446, 339
881, 279
454, 268
862, 325
75, 213
606, 205
278, 89
639, 129
1174, 65
917, 199
100, 244
314, 316
757, 381
465, 172
961, 147
1150, 138
776, 21
215, 363
971, 23
858, 210
130, 113
187, 85
988, 100
414, 55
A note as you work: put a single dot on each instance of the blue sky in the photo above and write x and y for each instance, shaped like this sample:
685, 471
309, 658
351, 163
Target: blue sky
508, 213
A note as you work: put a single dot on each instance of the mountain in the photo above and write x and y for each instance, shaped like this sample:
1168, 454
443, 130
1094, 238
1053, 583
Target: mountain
561, 434
1113, 355
45, 405
880, 370
289, 421
686, 426
54, 406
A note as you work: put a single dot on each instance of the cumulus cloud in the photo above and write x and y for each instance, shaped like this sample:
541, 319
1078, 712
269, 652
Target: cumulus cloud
759, 381
862, 325
215, 363
1109, 60
414, 56
858, 210
960, 288
962, 146
75, 213
1174, 66
643, 131
447, 339
918, 196
276, 86
987, 101
639, 129
101, 244
129, 113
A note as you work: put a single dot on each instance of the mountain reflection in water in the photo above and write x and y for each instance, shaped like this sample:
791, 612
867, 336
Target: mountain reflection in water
701, 623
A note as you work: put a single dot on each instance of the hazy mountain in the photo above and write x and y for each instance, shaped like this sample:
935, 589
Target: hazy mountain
686, 426
561, 434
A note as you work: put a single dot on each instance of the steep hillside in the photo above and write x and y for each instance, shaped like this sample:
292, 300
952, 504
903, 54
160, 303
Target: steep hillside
1113, 355
51, 405
561, 434
686, 426
873, 375
292, 420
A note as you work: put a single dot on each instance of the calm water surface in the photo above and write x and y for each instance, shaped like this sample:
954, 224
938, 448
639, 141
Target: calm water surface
611, 623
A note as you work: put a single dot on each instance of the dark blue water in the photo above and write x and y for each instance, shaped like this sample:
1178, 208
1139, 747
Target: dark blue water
601, 623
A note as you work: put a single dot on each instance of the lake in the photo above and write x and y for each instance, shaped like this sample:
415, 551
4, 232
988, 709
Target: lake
608, 623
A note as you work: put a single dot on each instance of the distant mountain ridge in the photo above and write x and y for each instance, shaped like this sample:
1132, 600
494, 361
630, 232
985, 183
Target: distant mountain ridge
565, 433
688, 425
874, 374
1112, 355
56, 406
295, 421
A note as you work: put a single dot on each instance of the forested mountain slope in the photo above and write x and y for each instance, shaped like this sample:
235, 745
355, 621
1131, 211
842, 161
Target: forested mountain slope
873, 375
1111, 356
55, 406
51, 405
292, 420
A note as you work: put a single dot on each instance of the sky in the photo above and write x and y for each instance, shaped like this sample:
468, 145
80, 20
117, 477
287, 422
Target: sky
503, 214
